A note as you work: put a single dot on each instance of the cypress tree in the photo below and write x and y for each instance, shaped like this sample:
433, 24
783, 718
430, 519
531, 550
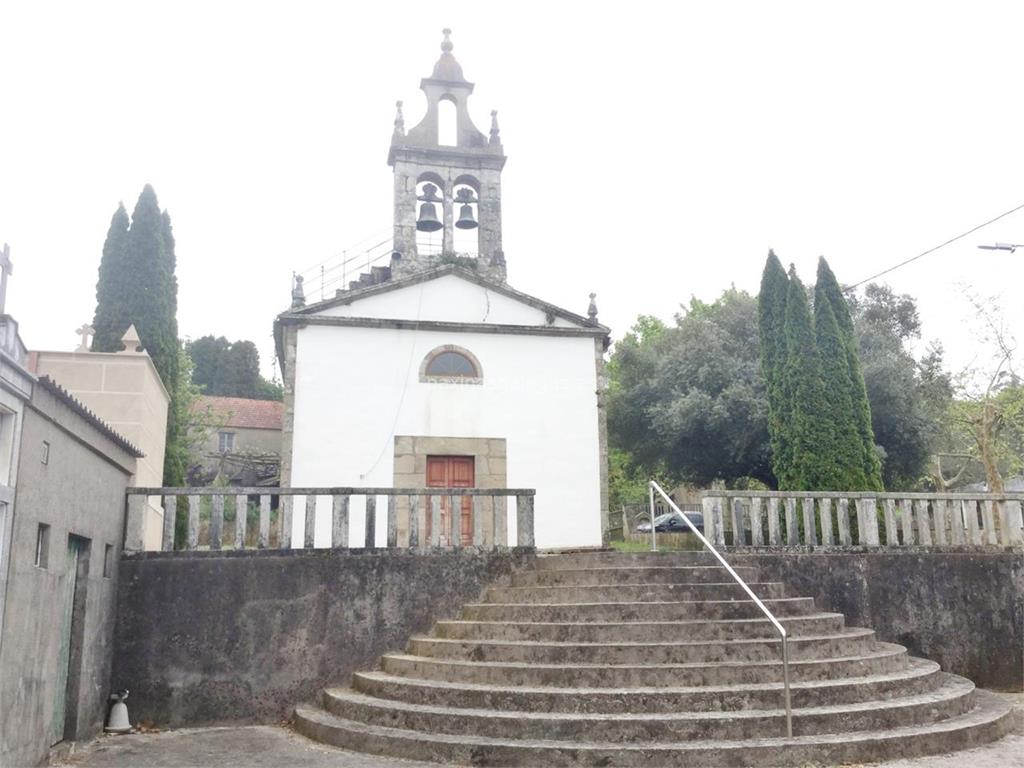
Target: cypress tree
137, 285
808, 428
111, 319
847, 447
771, 307
827, 290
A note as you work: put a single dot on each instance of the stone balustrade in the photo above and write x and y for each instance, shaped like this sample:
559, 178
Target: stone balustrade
273, 509
819, 519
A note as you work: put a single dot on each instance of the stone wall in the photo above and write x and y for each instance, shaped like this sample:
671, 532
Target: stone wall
963, 609
244, 636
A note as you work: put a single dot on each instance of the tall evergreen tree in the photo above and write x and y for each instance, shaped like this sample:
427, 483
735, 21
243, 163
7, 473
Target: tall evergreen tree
771, 306
112, 312
808, 427
137, 285
827, 290
848, 448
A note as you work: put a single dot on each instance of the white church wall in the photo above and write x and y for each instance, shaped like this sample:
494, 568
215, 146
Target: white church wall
449, 298
356, 388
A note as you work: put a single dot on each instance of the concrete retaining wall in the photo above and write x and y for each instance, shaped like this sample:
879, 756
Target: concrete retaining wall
963, 609
242, 637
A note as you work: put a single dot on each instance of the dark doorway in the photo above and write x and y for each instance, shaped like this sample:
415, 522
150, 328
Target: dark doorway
72, 633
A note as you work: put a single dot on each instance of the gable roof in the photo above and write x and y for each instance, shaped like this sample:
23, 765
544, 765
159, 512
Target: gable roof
352, 296
243, 412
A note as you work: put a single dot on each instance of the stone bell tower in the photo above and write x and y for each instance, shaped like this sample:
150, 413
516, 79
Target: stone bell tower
440, 187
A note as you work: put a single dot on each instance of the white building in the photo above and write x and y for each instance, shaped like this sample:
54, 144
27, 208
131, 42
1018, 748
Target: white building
432, 371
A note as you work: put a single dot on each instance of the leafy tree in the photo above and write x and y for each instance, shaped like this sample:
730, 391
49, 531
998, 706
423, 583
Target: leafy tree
230, 369
688, 401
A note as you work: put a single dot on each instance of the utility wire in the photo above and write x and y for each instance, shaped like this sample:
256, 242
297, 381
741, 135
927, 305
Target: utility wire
932, 250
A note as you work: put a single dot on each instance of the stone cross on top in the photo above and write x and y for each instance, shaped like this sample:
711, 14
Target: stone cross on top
85, 332
6, 268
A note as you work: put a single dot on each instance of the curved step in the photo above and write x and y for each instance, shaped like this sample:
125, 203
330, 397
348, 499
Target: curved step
989, 720
633, 592
637, 631
883, 658
848, 642
919, 677
683, 574
625, 610
952, 699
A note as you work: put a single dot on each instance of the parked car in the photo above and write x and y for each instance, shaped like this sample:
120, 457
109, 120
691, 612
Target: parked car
672, 522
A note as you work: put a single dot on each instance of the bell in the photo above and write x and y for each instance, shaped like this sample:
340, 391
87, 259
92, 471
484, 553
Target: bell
466, 220
428, 219
118, 721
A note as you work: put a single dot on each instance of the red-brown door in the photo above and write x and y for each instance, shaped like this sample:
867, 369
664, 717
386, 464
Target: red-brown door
452, 472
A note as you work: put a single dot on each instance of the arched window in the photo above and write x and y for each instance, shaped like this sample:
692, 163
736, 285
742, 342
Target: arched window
447, 123
451, 364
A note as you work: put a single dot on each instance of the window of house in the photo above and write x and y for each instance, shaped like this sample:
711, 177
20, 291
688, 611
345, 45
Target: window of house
42, 545
227, 441
451, 364
46, 452
108, 556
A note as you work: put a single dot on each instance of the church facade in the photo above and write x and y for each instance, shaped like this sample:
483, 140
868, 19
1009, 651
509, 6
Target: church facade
432, 370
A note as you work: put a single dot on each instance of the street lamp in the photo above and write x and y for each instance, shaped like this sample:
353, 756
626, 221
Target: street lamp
1011, 247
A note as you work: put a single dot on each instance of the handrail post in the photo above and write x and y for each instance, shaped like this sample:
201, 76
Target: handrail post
783, 635
654, 533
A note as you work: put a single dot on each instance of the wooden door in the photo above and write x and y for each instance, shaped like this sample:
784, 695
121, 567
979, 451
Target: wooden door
452, 472
70, 578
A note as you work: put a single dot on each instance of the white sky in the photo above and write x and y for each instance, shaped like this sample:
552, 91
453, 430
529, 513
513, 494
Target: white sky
656, 151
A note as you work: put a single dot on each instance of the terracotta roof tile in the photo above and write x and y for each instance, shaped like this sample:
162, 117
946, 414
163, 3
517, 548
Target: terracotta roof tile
243, 413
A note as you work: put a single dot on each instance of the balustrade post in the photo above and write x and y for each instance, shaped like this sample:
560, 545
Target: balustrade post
892, 537
216, 521
392, 522
843, 522
989, 518
370, 540
170, 516
1013, 525
739, 538
907, 522
264, 537
956, 524
454, 521
939, 517
774, 532
192, 540
339, 521
478, 521
807, 507
972, 522
135, 524
825, 515
284, 518
309, 522
756, 534
500, 521
524, 521
414, 521
792, 531
241, 520
924, 533
868, 519
435, 521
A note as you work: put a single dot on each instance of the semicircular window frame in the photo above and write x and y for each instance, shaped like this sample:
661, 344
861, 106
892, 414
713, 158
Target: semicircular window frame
451, 364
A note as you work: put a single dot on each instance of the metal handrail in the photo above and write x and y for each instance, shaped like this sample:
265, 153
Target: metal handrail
783, 635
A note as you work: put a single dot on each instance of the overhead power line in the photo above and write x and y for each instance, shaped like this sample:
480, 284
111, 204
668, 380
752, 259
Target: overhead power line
932, 250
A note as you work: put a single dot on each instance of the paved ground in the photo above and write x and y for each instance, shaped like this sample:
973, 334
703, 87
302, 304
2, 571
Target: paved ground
267, 746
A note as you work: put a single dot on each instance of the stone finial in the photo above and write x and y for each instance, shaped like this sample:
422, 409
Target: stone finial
592, 309
495, 133
298, 295
399, 120
85, 332
131, 341
446, 44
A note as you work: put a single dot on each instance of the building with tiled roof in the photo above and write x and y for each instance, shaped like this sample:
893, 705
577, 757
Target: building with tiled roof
243, 441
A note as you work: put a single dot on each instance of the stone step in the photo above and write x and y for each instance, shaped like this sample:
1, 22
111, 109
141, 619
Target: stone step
989, 720
952, 699
625, 610
690, 574
607, 558
919, 677
656, 631
848, 642
881, 659
632, 592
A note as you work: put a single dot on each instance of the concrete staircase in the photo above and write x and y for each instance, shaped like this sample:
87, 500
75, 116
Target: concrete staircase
608, 659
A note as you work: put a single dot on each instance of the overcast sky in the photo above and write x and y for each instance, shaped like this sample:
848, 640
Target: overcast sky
655, 151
